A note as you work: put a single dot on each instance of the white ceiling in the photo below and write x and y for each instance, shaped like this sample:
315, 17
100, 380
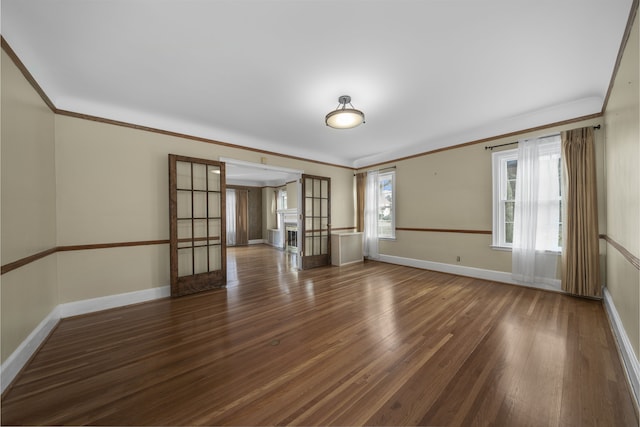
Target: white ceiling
263, 74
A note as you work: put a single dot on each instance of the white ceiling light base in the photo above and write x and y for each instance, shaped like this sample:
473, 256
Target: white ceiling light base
344, 118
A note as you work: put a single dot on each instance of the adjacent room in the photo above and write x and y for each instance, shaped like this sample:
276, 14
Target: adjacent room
263, 212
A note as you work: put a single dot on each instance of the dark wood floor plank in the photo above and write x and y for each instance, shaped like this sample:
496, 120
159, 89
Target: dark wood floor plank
364, 344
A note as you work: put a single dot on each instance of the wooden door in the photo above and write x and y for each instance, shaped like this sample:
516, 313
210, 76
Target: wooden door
197, 224
242, 217
316, 221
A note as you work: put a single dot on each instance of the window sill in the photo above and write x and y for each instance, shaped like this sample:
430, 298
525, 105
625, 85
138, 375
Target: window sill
393, 239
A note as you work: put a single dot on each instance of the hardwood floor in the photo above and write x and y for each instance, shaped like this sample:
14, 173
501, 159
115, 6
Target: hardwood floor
366, 344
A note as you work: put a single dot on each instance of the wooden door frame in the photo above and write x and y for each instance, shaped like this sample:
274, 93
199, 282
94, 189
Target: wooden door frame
202, 281
307, 262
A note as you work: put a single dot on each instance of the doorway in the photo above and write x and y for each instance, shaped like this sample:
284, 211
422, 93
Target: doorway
264, 218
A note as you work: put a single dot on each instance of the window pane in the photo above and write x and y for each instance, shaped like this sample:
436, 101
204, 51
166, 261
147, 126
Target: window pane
509, 208
560, 235
512, 167
385, 206
508, 228
183, 178
511, 189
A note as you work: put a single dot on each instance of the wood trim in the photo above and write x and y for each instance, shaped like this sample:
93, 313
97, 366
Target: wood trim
634, 260
27, 75
623, 45
198, 239
443, 230
190, 137
343, 228
111, 245
31, 258
479, 141
26, 260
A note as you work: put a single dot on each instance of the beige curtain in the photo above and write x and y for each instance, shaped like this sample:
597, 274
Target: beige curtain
580, 254
361, 181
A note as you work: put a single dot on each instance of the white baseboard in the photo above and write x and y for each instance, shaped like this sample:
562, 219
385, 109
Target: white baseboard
460, 270
16, 361
112, 301
257, 241
630, 361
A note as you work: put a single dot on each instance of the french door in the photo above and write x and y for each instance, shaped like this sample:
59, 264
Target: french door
316, 221
197, 224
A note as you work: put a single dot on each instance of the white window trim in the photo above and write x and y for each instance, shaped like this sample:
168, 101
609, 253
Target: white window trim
499, 179
393, 205
498, 160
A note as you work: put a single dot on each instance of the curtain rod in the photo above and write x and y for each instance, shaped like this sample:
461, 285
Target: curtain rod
491, 147
378, 170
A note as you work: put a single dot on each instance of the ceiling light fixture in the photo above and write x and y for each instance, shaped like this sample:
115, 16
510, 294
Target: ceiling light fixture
344, 118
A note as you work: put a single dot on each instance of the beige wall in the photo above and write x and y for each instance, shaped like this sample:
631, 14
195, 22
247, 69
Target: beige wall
112, 187
28, 178
452, 189
623, 189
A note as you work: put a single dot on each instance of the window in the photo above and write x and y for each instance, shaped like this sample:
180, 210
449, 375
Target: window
505, 168
281, 205
282, 199
386, 205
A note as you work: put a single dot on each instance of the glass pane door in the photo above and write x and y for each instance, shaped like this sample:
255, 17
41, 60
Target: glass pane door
316, 209
197, 224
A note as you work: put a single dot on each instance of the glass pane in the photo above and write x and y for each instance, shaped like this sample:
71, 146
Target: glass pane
184, 229
316, 188
215, 258
214, 229
560, 235
308, 207
324, 188
184, 262
508, 228
213, 176
512, 169
316, 207
511, 190
317, 225
199, 205
308, 187
560, 177
199, 228
316, 246
184, 204
308, 224
509, 208
324, 203
183, 178
560, 212
384, 229
201, 255
199, 176
308, 246
214, 205
323, 244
